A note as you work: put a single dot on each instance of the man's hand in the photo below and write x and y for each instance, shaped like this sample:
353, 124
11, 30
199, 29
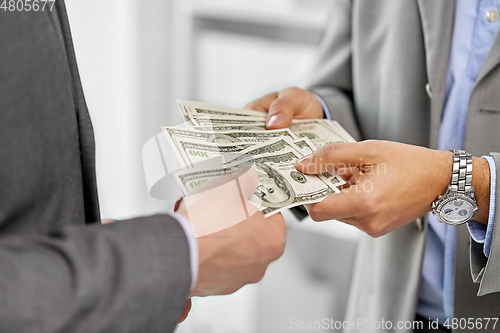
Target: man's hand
186, 310
237, 243
389, 184
287, 104
239, 255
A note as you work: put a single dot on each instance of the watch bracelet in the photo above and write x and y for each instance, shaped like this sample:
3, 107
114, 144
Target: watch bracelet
461, 179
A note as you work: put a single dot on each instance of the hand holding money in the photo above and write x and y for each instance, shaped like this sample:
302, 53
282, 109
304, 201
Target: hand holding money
235, 242
285, 105
394, 183
219, 141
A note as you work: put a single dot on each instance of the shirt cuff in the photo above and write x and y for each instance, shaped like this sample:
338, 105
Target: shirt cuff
480, 233
326, 111
193, 247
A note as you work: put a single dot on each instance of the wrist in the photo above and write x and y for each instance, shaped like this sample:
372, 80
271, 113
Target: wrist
467, 195
445, 171
317, 109
481, 184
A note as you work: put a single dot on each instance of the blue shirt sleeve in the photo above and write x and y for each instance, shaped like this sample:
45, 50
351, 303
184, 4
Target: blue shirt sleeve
479, 232
326, 111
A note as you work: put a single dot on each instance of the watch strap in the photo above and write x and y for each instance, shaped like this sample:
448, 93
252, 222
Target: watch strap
461, 179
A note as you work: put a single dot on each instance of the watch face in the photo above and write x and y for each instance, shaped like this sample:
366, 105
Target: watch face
457, 210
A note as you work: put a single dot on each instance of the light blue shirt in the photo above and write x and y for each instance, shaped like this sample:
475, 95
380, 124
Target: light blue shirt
473, 37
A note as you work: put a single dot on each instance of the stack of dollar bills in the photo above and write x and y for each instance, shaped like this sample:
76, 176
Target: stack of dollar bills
215, 141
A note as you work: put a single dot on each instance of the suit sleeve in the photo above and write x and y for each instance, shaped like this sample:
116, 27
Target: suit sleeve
129, 276
331, 77
486, 270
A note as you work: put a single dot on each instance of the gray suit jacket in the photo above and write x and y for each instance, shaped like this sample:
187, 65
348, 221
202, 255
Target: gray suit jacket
374, 64
59, 270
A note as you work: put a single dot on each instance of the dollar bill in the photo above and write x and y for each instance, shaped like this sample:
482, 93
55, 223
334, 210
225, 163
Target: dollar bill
176, 135
193, 151
305, 146
229, 120
233, 127
219, 140
318, 131
193, 109
280, 186
278, 145
270, 147
206, 115
342, 132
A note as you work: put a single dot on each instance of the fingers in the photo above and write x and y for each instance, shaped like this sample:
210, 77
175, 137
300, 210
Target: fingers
350, 175
263, 103
281, 110
279, 238
340, 206
289, 103
222, 205
346, 172
186, 310
292, 103
278, 221
338, 155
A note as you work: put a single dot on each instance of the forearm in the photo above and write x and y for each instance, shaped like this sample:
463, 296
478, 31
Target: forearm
125, 277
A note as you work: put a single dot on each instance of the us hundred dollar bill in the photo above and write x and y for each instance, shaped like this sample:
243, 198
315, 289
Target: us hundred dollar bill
176, 135
193, 151
231, 120
233, 127
340, 130
305, 146
193, 110
318, 131
278, 145
280, 186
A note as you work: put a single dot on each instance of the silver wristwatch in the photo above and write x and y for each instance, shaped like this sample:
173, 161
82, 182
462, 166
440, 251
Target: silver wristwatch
459, 204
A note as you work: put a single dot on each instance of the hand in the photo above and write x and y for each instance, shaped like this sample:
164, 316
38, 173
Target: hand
185, 313
391, 184
238, 243
284, 105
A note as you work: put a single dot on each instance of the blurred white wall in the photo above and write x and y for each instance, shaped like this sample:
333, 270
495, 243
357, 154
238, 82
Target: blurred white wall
106, 40
136, 57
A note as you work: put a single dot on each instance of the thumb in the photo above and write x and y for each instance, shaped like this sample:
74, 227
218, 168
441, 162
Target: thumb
281, 111
335, 155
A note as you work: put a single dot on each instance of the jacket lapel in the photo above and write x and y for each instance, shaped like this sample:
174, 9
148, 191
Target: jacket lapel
492, 61
437, 26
